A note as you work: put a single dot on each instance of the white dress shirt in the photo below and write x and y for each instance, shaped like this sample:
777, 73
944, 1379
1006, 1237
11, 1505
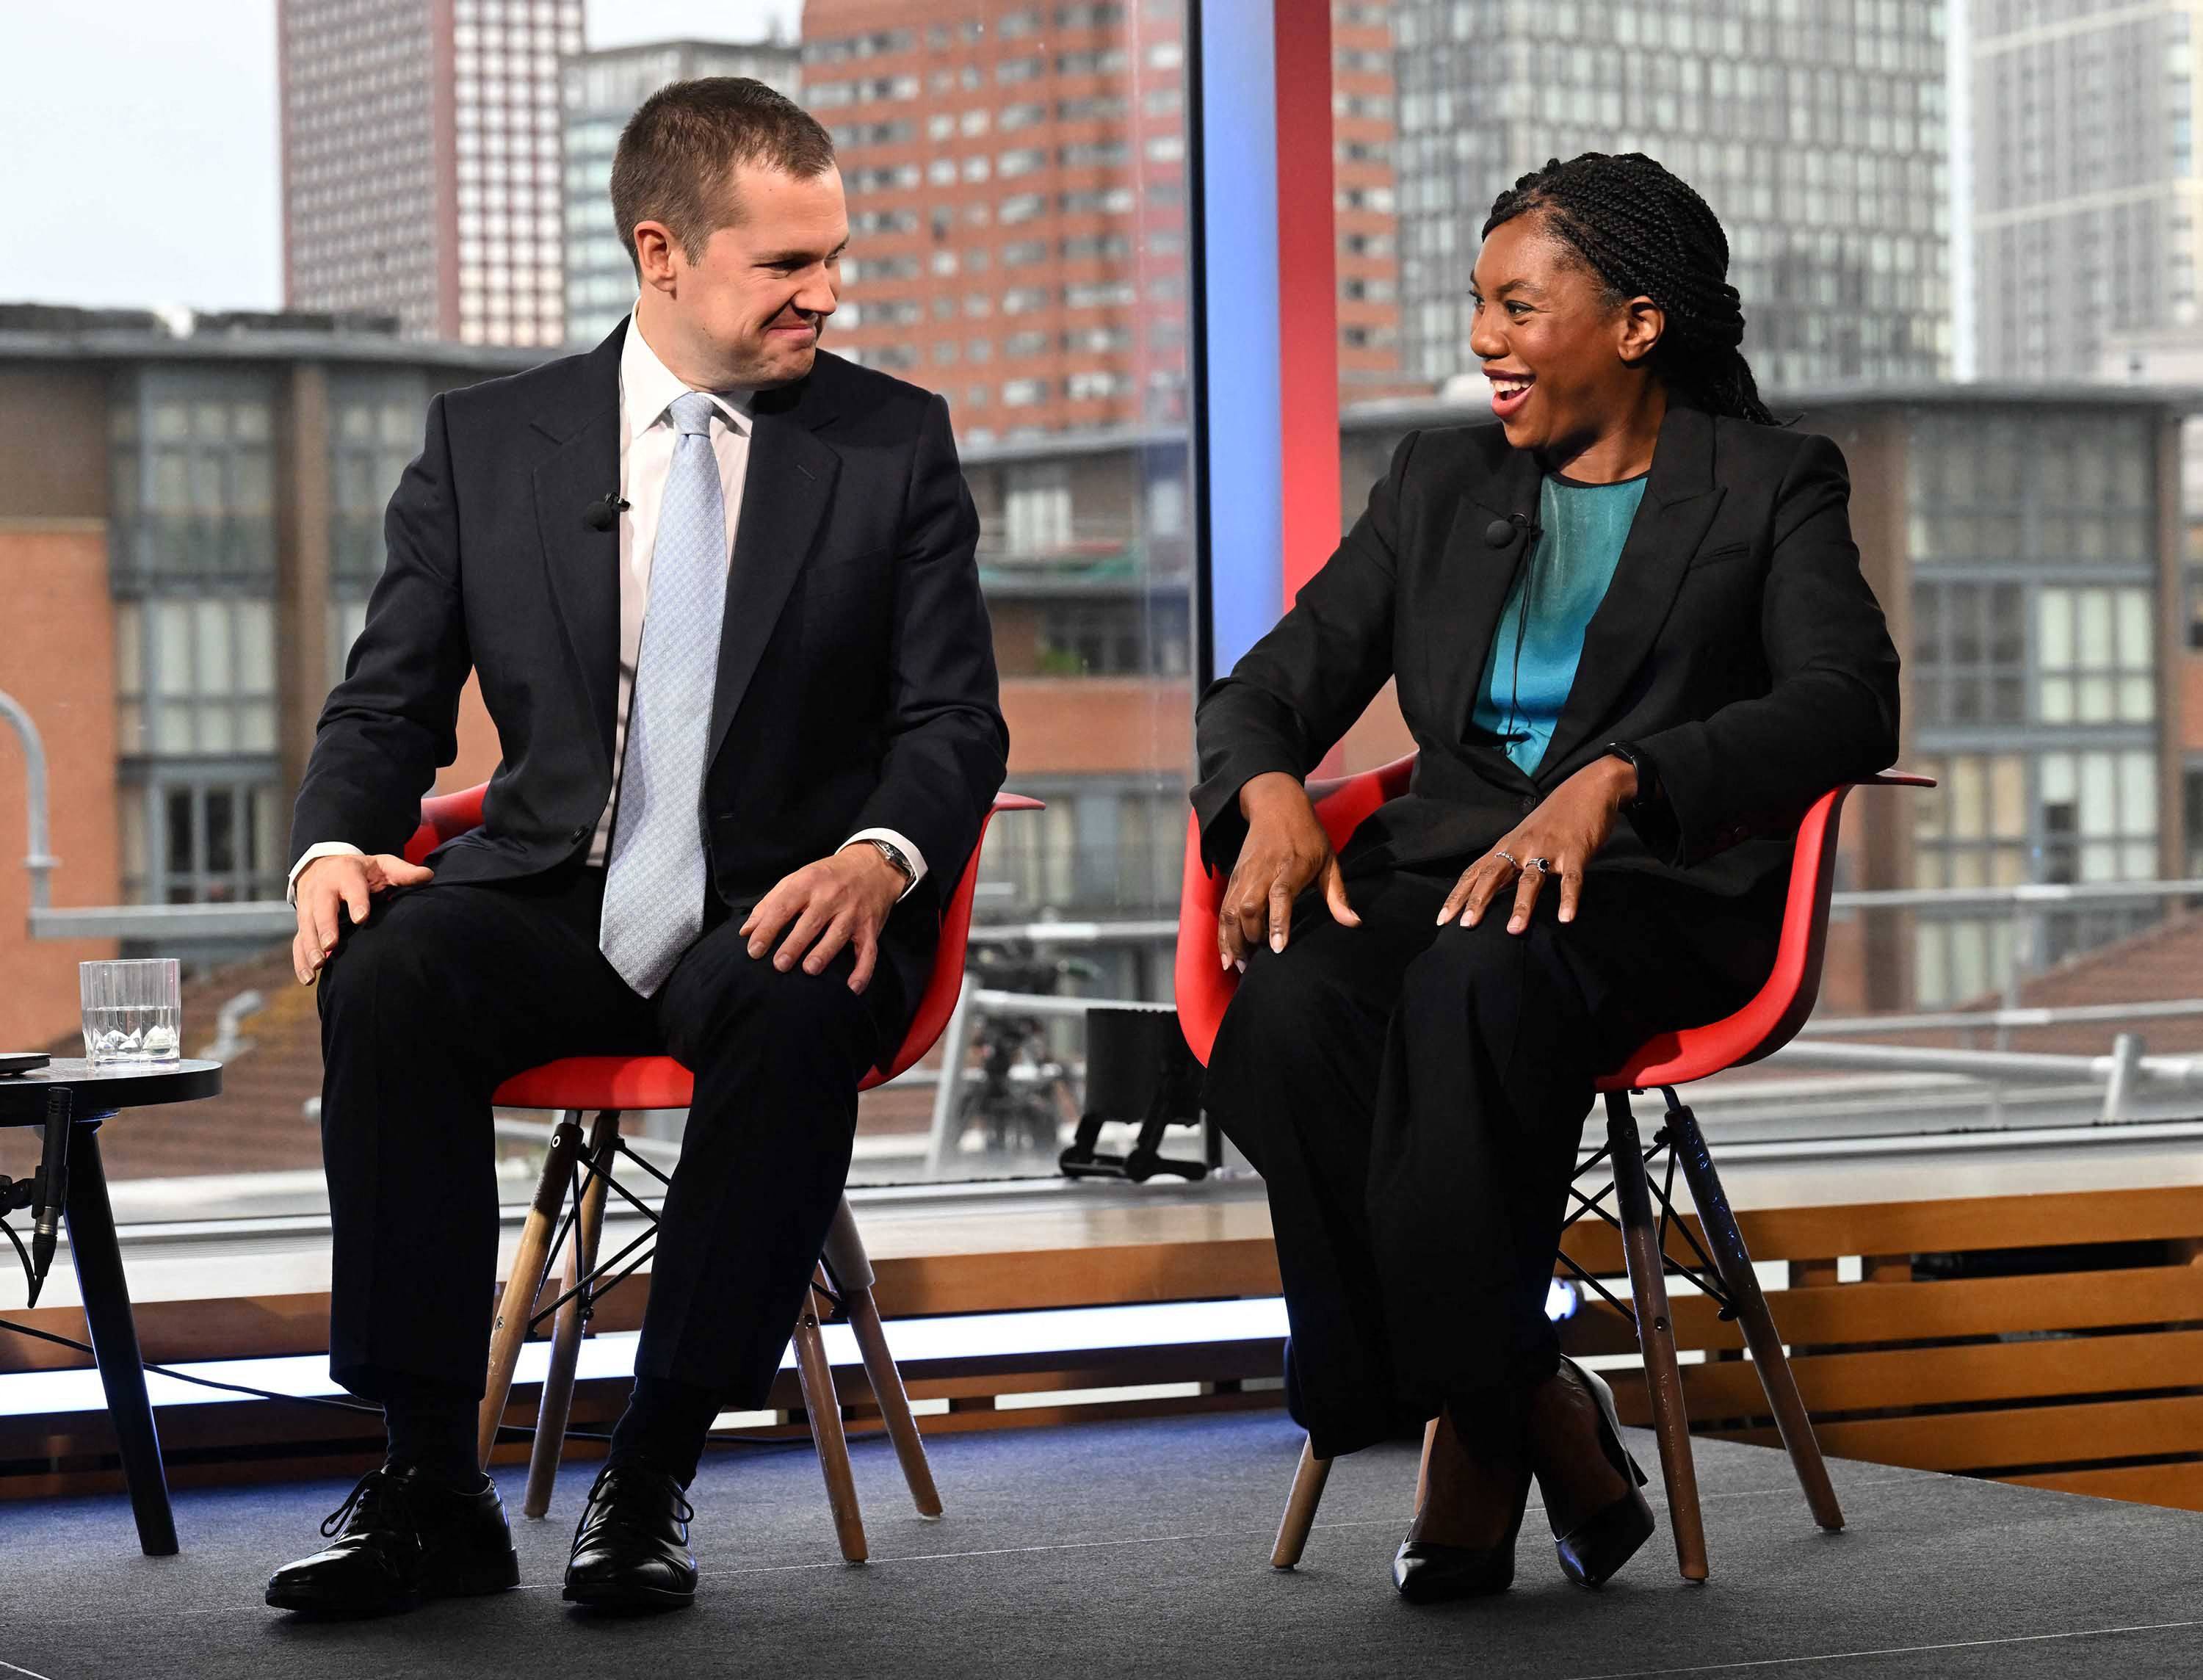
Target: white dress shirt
647, 437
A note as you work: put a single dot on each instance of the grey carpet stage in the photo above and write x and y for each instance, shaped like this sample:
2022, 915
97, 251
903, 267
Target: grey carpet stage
1141, 1548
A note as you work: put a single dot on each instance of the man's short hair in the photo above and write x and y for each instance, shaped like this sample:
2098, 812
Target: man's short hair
680, 149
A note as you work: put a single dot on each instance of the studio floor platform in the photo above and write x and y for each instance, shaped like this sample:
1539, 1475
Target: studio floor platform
1140, 1548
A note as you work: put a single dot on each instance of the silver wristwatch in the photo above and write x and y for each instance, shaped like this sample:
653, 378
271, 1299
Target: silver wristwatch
892, 853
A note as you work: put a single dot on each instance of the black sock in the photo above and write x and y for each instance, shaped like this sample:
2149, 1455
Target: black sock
435, 1435
664, 1425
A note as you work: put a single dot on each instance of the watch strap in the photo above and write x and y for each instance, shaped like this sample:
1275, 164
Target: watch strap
1648, 776
892, 853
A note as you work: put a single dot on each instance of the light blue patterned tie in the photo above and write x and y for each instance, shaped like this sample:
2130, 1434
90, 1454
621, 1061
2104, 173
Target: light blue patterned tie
654, 880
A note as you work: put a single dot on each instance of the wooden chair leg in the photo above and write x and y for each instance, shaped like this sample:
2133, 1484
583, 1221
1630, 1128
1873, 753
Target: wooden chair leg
558, 1402
1656, 1336
825, 1407
850, 1271
1760, 1335
893, 1401
1300, 1509
517, 1305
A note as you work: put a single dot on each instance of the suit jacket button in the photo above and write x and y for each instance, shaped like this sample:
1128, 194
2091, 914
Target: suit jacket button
1529, 802
581, 831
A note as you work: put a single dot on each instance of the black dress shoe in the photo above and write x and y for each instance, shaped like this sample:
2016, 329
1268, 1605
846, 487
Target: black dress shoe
1592, 1547
1427, 1571
631, 1546
401, 1536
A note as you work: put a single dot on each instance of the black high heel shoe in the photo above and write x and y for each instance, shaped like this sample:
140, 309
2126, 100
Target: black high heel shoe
1596, 1547
1427, 1571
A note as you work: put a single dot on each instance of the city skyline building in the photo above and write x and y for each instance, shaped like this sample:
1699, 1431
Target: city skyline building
1017, 186
1016, 179
1816, 129
2086, 196
422, 163
599, 91
1365, 146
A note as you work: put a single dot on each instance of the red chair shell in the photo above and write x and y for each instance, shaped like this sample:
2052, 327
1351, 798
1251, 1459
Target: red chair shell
659, 1081
1762, 1027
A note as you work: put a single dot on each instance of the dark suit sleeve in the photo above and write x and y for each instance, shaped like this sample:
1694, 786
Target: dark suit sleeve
1831, 715
392, 721
1295, 691
947, 745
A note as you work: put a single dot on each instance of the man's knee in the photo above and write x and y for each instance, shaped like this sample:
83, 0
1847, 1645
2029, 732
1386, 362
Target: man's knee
394, 962
775, 1014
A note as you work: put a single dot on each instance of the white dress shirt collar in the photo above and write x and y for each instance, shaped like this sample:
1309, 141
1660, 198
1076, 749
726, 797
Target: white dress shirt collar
648, 388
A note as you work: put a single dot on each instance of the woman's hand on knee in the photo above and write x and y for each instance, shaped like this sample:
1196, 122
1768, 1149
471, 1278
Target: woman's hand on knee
1284, 852
1557, 841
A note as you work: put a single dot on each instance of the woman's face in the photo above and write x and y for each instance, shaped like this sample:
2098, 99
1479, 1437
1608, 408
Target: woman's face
1566, 364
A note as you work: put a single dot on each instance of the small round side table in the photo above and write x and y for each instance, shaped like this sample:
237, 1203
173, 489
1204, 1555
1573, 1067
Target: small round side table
95, 1095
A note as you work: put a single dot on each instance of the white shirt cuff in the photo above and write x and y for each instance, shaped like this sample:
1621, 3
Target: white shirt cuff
320, 849
900, 844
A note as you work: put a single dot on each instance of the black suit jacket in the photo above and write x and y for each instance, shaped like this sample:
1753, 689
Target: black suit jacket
1737, 646
856, 683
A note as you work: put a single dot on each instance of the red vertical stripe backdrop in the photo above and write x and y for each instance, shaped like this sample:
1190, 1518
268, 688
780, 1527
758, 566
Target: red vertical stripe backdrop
1307, 291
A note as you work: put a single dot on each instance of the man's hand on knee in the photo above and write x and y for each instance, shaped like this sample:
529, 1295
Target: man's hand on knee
340, 884
840, 900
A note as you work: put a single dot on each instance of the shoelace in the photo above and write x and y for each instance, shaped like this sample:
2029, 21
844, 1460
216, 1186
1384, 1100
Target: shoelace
596, 1515
370, 1495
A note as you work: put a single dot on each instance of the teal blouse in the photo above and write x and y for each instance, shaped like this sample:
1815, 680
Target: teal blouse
1533, 661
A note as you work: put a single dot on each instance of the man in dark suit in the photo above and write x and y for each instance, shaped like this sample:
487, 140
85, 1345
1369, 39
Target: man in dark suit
723, 828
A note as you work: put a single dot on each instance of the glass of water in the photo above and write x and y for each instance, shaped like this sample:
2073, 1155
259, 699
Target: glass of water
133, 1010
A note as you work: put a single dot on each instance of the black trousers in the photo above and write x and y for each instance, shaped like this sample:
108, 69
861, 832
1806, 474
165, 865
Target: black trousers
445, 991
1414, 1096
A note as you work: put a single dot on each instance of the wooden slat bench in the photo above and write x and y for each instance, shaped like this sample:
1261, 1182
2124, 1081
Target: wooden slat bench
2088, 1377
2051, 1339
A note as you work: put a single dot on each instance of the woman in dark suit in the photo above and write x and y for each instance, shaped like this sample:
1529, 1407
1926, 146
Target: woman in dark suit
1633, 644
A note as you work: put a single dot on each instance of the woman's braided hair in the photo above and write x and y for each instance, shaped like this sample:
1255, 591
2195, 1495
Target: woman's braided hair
1644, 232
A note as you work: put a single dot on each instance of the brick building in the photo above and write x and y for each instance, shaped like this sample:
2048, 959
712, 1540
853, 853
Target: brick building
1017, 182
191, 517
1365, 130
422, 163
1017, 200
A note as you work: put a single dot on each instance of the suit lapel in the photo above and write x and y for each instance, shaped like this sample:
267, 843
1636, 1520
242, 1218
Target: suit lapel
789, 485
583, 563
1475, 579
1680, 499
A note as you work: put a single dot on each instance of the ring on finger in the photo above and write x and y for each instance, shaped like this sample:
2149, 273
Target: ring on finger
1510, 857
1540, 865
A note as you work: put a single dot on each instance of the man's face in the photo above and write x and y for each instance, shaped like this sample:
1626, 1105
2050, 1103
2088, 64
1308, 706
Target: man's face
748, 311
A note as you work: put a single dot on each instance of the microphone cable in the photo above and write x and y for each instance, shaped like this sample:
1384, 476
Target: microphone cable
1533, 533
